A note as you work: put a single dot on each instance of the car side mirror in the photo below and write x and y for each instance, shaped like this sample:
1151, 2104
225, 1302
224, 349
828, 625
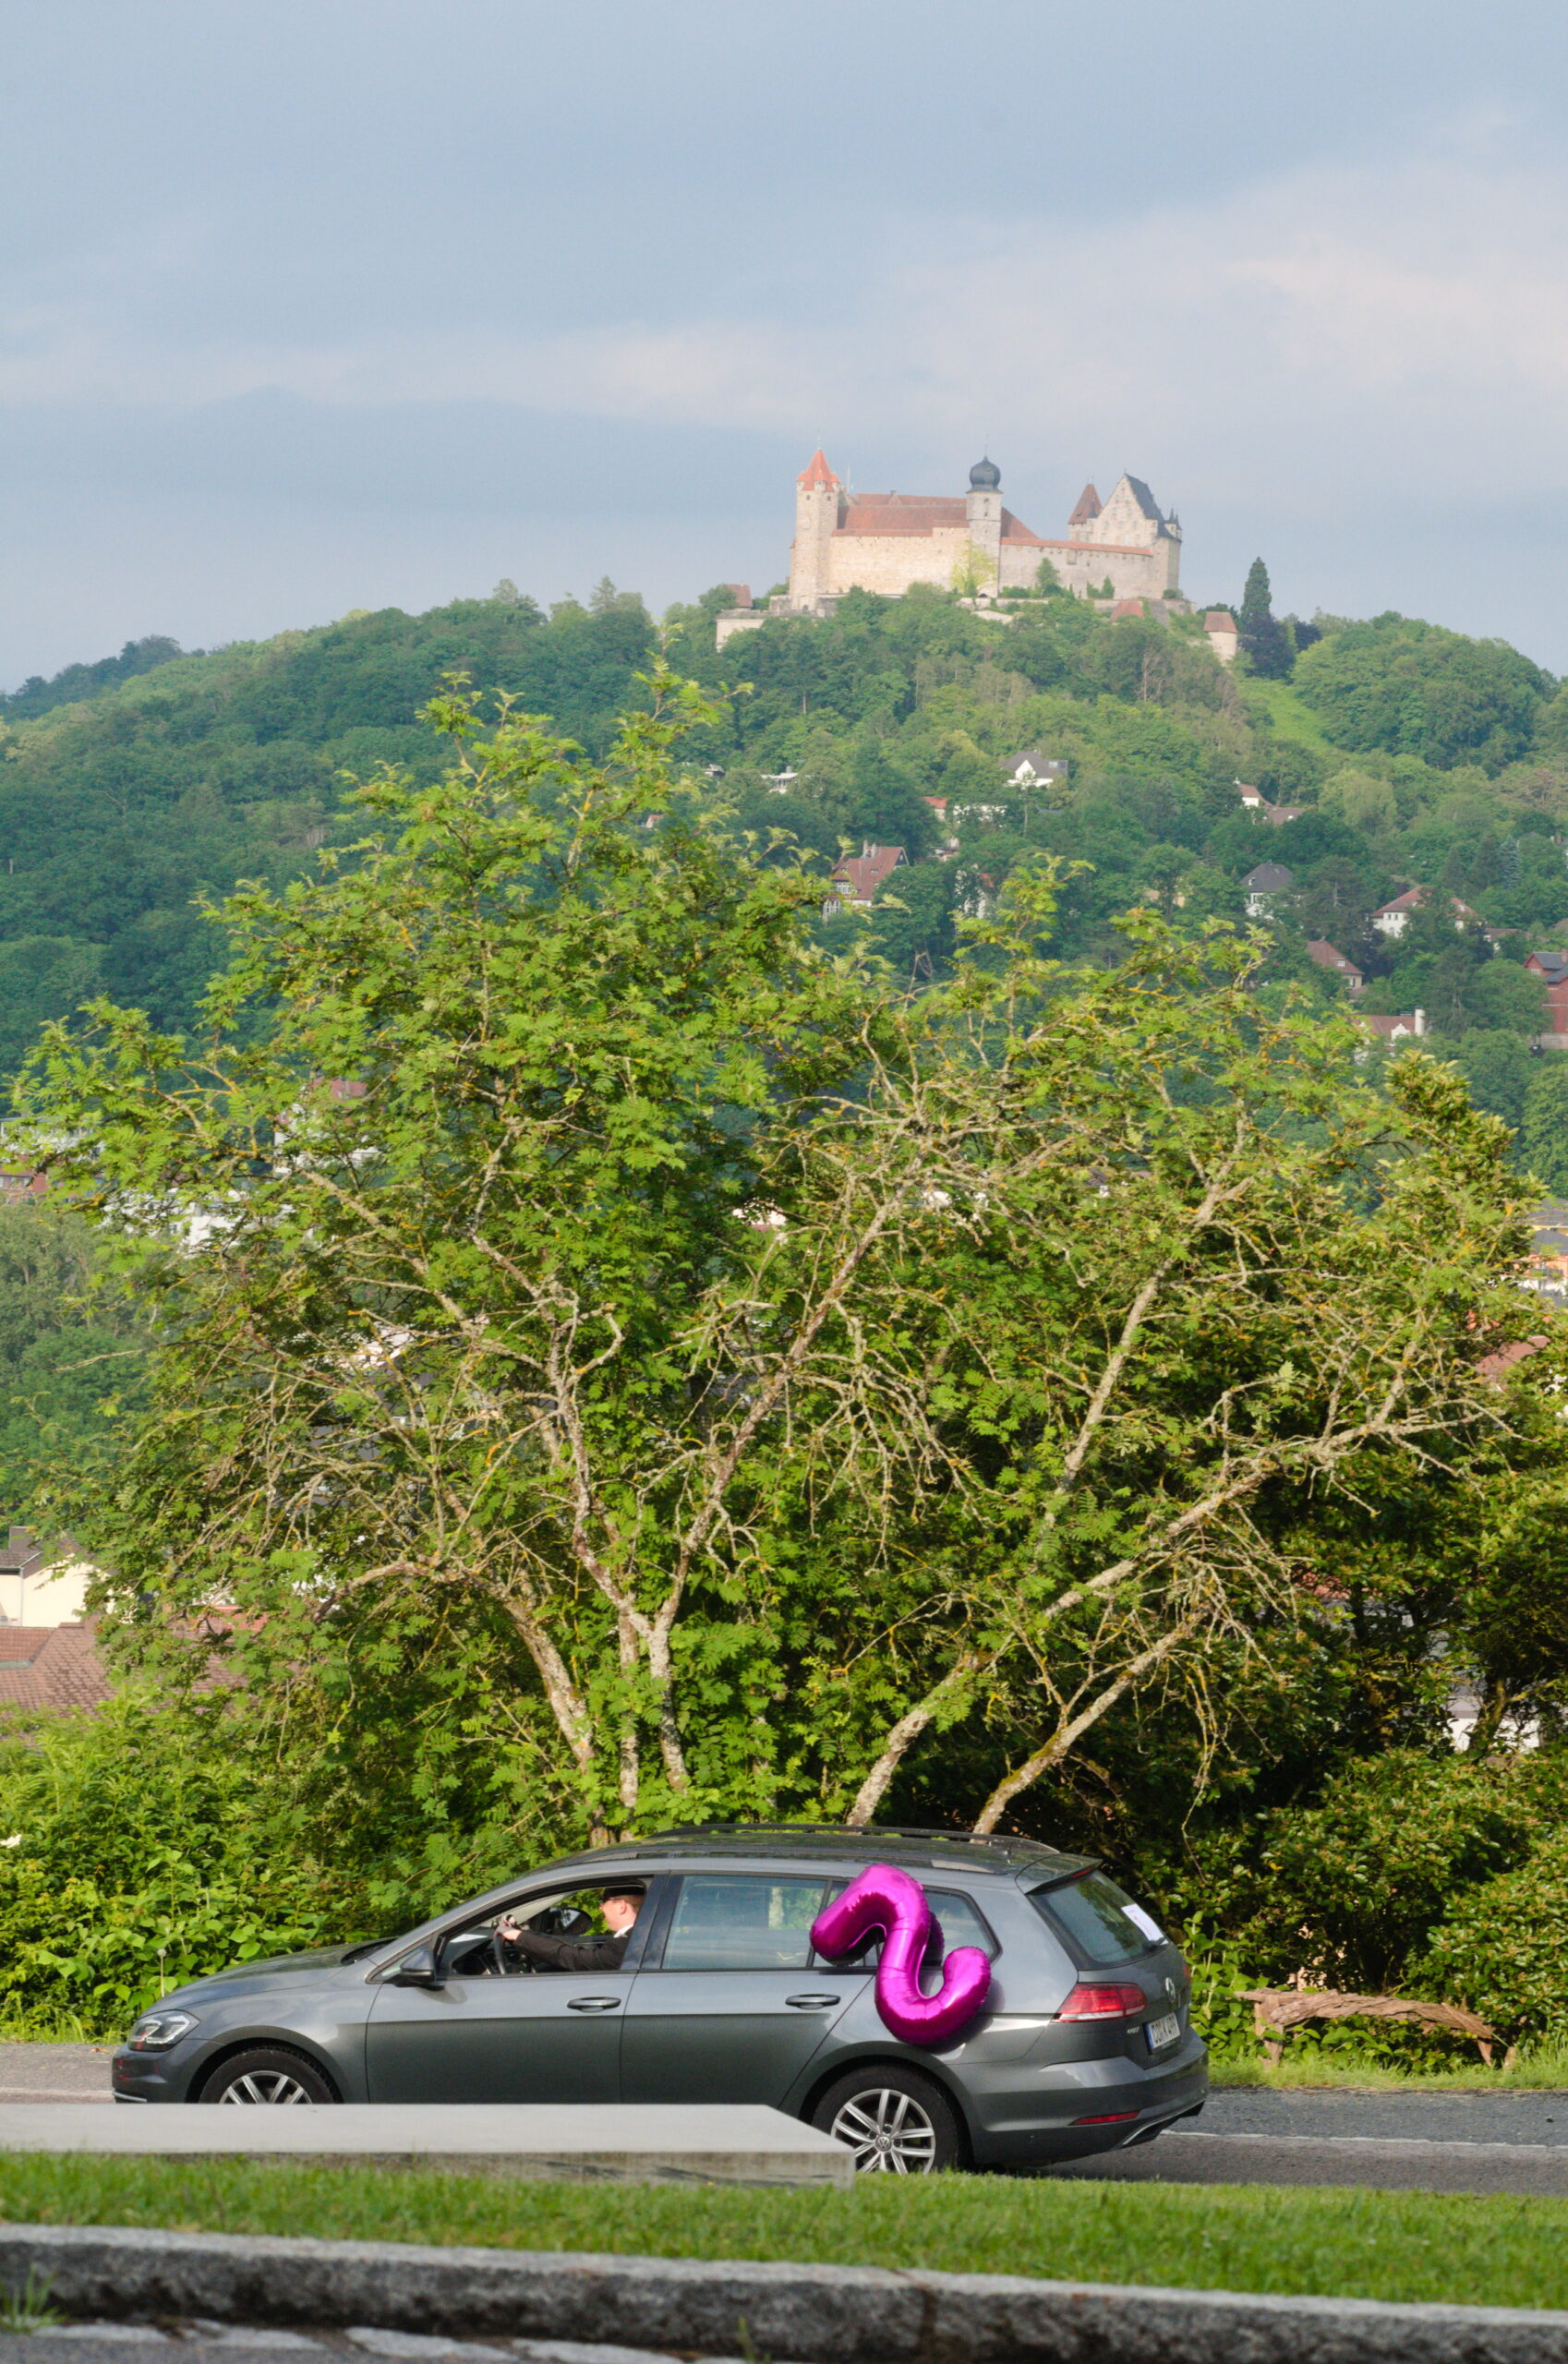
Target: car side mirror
418, 1968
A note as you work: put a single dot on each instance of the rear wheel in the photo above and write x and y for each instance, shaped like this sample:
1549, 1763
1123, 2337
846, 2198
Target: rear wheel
269, 2076
895, 2122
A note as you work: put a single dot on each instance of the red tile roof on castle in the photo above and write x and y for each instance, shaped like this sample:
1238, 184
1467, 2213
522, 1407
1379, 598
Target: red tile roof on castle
919, 513
1089, 507
816, 471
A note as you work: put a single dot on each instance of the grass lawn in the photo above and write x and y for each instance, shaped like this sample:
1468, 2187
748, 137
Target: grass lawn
1291, 715
1330, 2243
1305, 2067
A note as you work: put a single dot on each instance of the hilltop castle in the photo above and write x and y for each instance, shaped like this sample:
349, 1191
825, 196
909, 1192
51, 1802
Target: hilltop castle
889, 541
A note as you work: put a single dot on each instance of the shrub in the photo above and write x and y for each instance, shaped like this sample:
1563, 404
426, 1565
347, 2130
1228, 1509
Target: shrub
138, 1848
1352, 1888
1502, 1949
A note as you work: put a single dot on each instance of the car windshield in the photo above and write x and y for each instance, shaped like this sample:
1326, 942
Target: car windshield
1100, 1923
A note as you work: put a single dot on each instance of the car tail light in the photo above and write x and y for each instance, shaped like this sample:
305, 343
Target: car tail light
1111, 2117
1103, 2002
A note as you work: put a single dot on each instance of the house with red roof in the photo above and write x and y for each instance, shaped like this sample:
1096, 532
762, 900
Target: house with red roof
1392, 919
52, 1667
856, 879
1321, 950
1402, 1026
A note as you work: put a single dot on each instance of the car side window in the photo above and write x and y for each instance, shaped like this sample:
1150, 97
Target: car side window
958, 1919
724, 1922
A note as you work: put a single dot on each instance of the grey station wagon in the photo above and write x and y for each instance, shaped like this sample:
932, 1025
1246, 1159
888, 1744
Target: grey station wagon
1084, 2043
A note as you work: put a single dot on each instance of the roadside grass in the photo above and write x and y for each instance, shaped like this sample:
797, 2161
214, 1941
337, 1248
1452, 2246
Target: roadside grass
1389, 2245
1542, 2070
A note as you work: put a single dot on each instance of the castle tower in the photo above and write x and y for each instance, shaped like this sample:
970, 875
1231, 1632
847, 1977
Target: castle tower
817, 492
983, 508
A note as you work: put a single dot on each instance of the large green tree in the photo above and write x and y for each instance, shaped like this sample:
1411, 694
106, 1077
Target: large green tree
1263, 638
754, 1376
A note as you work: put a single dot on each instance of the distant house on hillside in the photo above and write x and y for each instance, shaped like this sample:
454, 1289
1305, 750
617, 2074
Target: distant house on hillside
1392, 919
856, 879
1258, 804
1404, 1025
1552, 968
1264, 884
1326, 956
949, 844
1032, 769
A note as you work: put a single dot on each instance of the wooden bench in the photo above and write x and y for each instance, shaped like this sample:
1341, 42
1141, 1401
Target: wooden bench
1277, 2009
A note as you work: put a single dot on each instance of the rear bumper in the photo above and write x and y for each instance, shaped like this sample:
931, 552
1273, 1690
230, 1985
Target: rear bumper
1024, 2115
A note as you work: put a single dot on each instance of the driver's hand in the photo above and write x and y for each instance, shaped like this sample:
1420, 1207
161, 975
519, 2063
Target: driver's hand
507, 1928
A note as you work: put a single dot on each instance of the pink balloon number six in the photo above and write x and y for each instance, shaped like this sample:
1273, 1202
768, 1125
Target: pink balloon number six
887, 1898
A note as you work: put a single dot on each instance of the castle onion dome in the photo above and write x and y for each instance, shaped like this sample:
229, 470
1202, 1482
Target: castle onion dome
984, 477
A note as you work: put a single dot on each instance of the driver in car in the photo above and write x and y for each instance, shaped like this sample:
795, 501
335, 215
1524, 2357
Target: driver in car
620, 1906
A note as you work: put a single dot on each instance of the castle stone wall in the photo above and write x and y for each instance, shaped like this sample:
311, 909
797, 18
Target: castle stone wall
892, 563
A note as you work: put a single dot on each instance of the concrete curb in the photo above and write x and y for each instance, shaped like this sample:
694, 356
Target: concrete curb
816, 2314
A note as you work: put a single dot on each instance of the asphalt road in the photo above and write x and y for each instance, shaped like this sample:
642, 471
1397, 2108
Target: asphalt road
1474, 2142
54, 2072
1471, 2142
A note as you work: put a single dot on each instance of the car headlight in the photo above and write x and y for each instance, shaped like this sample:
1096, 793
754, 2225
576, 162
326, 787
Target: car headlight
156, 2031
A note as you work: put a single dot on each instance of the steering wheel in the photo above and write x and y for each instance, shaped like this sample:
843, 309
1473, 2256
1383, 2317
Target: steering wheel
500, 1966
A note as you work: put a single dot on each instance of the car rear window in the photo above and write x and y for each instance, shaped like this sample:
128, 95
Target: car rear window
742, 1924
1098, 1923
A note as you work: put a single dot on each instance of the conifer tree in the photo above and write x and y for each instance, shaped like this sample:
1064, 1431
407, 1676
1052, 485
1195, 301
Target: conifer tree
1262, 635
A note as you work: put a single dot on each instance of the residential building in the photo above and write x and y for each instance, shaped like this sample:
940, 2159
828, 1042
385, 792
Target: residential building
1258, 804
856, 879
1552, 968
1262, 885
1032, 769
1548, 1272
1392, 919
37, 1591
1406, 1025
1321, 950
52, 1667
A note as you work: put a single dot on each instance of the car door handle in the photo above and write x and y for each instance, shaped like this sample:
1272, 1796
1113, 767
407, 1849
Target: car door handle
812, 2002
592, 2003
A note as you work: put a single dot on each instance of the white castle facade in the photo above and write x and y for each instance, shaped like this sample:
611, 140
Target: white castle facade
1121, 549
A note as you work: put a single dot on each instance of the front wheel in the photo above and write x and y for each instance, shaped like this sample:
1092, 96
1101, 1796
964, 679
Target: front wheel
272, 2077
896, 2123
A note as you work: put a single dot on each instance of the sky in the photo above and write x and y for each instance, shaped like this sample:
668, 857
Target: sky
369, 303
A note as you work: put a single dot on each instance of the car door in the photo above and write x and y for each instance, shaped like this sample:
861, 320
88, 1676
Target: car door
730, 2011
535, 2036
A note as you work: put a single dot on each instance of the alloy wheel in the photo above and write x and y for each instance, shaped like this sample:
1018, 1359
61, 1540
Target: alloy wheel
888, 2132
269, 2085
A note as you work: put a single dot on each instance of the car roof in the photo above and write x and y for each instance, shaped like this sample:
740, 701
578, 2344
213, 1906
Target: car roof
954, 1851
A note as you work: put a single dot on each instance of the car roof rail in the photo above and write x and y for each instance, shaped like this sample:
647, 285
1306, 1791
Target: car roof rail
850, 1834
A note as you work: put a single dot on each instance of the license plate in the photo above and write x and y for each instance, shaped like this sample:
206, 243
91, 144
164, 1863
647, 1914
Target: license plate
1163, 2030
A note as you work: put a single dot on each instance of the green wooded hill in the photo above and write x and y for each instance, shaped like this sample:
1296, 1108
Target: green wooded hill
134, 789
